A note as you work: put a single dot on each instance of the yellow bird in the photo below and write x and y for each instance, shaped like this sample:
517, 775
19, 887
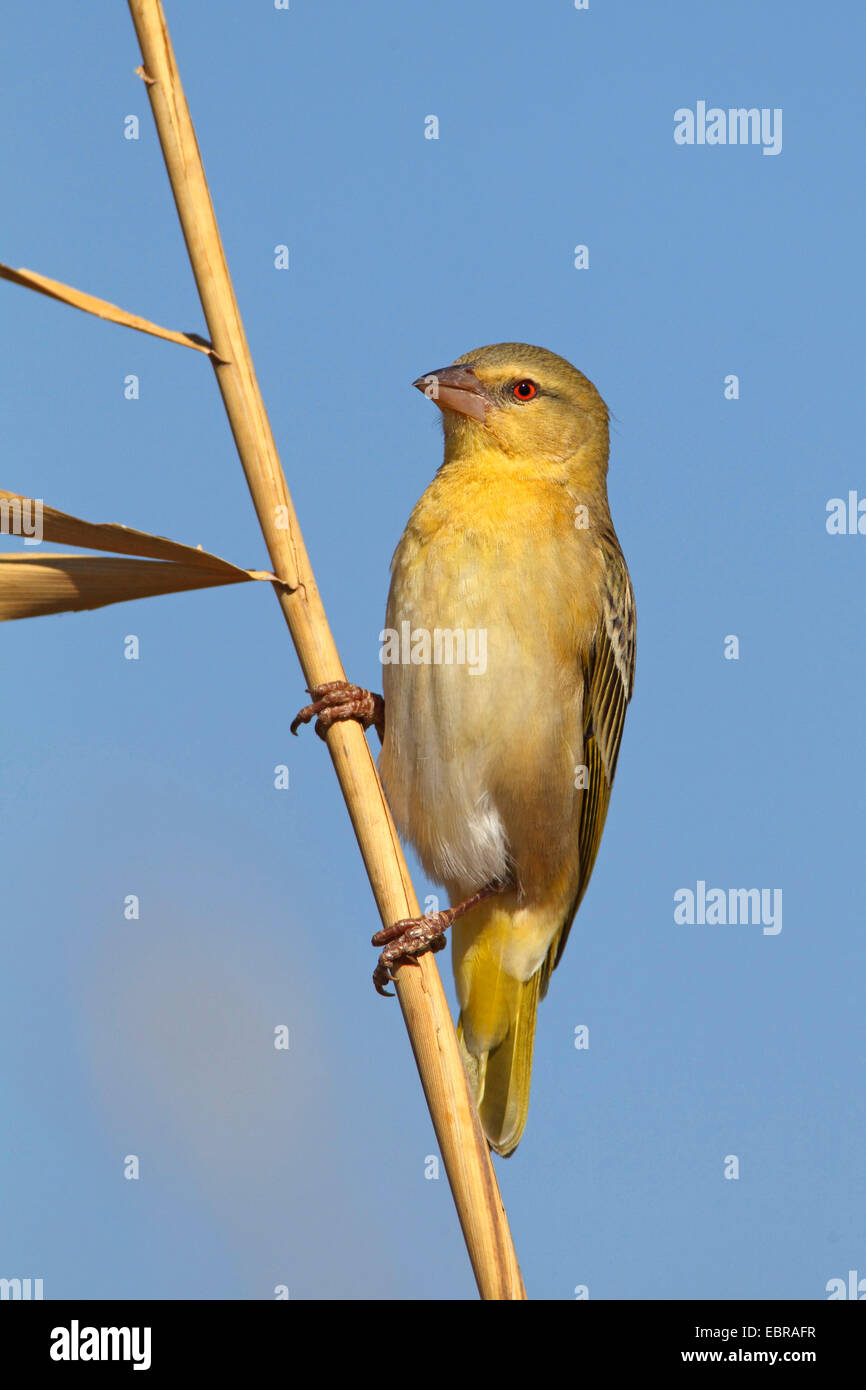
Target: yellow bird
508, 662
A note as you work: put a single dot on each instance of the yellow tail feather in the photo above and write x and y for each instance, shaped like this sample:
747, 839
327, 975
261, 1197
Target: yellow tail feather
496, 1030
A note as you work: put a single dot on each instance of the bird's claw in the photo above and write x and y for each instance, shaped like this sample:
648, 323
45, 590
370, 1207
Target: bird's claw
336, 700
406, 939
412, 936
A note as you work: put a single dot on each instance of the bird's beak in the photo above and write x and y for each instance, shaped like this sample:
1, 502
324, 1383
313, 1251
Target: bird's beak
456, 388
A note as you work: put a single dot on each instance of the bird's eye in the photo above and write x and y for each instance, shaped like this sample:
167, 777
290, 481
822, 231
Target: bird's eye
524, 390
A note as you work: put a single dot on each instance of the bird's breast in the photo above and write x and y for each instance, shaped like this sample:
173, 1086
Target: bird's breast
493, 596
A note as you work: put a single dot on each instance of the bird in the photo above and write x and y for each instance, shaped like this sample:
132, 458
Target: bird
501, 735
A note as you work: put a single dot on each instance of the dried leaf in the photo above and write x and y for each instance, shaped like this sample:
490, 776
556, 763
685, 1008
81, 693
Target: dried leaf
35, 583
77, 299
32, 586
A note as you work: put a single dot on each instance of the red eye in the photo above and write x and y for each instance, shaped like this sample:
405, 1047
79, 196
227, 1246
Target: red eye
524, 390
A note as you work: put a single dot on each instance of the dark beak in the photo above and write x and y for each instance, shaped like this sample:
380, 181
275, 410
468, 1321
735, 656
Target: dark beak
456, 388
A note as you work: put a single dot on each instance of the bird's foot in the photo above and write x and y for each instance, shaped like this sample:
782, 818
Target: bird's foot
413, 936
338, 700
405, 940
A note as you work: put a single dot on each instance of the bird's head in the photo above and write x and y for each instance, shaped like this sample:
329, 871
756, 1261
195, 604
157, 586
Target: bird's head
523, 401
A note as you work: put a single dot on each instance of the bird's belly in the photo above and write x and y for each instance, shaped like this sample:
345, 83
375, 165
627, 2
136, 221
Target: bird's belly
480, 749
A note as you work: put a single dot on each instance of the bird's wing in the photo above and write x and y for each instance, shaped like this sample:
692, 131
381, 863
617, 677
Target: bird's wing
608, 683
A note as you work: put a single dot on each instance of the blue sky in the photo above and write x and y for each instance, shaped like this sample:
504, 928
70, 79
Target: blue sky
155, 777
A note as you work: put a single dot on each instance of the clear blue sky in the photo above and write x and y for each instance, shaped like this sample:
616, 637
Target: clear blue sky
155, 777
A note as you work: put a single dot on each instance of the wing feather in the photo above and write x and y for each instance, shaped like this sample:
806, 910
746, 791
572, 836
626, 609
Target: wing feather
607, 685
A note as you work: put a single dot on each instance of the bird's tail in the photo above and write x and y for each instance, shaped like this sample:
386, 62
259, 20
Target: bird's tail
496, 1028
